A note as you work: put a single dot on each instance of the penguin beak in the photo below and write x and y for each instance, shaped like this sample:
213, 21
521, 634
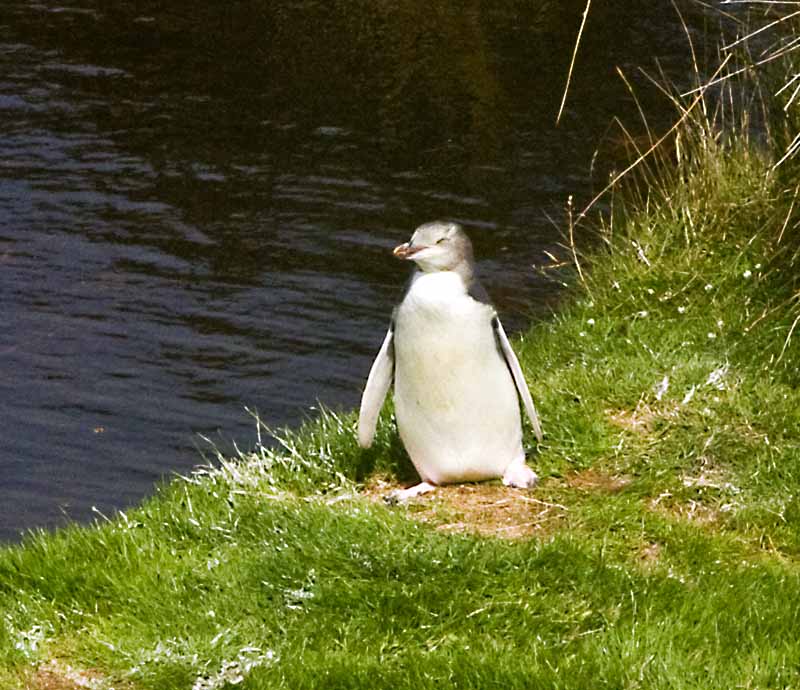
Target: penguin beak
406, 251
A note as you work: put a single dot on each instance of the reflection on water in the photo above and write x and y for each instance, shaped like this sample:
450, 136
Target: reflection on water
197, 202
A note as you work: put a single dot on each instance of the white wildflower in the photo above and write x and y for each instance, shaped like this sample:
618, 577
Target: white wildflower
689, 395
747, 274
640, 253
296, 597
590, 322
28, 641
661, 387
708, 287
720, 323
234, 672
681, 310
711, 336
169, 650
582, 334
642, 314
716, 378
650, 291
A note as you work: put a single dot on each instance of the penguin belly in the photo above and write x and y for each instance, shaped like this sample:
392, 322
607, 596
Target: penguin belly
455, 402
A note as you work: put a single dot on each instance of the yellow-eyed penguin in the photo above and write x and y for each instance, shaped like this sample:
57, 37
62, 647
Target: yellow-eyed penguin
456, 378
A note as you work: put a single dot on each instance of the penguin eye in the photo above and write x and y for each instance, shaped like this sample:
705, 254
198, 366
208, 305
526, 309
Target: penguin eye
440, 240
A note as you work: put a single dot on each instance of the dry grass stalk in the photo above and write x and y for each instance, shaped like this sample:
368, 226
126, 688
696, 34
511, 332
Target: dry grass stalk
572, 61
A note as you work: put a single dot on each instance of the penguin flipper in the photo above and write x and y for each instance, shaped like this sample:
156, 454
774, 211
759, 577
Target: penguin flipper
516, 374
378, 383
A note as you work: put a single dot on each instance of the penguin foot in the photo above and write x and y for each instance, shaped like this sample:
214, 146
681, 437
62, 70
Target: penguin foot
403, 495
519, 475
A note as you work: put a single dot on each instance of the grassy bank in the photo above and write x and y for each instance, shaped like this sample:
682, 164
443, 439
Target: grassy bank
661, 550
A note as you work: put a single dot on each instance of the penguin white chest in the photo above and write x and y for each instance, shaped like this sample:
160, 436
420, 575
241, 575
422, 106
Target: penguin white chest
455, 400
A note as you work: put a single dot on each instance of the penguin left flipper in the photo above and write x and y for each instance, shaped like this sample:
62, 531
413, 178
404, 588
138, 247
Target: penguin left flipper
378, 383
517, 375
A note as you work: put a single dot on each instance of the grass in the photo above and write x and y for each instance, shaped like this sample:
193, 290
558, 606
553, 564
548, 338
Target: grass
661, 550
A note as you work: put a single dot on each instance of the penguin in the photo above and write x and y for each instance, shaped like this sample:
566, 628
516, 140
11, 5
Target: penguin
457, 382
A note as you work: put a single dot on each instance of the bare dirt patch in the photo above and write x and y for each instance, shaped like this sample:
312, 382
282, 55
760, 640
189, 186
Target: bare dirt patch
593, 480
58, 675
703, 499
693, 511
46, 678
490, 510
642, 418
649, 555
493, 510
638, 421
43, 679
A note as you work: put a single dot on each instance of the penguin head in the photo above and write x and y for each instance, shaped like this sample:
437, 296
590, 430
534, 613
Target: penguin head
438, 246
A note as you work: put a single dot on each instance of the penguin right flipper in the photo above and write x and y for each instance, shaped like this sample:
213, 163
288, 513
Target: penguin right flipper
517, 375
378, 383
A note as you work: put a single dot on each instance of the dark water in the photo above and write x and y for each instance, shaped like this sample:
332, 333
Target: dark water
197, 203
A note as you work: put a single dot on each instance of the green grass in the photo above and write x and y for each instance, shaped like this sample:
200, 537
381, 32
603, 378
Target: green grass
673, 368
